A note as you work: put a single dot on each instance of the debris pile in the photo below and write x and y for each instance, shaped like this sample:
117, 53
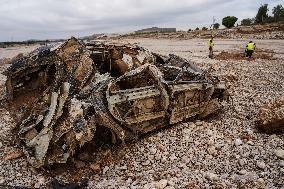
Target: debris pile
271, 116
266, 31
64, 97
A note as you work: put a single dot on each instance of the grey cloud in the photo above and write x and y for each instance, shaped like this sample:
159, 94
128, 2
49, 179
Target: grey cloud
21, 20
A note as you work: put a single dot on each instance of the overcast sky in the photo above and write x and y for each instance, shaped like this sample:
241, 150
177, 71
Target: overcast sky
42, 19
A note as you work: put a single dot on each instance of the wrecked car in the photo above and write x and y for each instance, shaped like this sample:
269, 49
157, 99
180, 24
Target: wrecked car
60, 96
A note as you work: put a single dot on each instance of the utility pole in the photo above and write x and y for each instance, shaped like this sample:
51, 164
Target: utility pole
213, 22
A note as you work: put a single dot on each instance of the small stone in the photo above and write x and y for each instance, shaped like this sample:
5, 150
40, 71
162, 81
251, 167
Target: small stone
261, 182
2, 180
153, 151
242, 162
186, 131
198, 123
145, 163
172, 181
96, 167
279, 153
212, 151
164, 160
141, 149
161, 147
151, 157
281, 163
250, 143
260, 164
129, 181
106, 168
173, 157
185, 159
40, 183
158, 156
148, 186
272, 137
208, 157
191, 125
170, 187
210, 142
211, 176
161, 184
209, 132
238, 142
123, 167
1, 144
242, 172
249, 131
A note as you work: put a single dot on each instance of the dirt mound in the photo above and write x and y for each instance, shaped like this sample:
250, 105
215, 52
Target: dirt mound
259, 54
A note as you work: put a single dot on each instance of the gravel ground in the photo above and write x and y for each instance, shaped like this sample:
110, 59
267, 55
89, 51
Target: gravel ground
225, 151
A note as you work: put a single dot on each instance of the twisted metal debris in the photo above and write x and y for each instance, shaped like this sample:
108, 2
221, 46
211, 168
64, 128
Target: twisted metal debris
61, 96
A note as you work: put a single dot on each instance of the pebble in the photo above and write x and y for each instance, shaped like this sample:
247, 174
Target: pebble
153, 151
261, 182
145, 163
40, 183
238, 142
279, 153
106, 168
281, 163
198, 123
96, 167
2, 180
212, 151
209, 132
161, 184
211, 176
161, 147
250, 143
210, 142
249, 131
146, 186
260, 164
170, 187
242, 161
242, 172
173, 157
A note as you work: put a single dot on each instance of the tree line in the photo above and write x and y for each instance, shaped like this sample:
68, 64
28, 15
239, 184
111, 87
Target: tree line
262, 17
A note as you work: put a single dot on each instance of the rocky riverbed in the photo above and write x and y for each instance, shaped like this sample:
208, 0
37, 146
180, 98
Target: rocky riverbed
224, 151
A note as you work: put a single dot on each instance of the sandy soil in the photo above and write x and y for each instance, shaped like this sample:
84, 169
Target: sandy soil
226, 151
10, 52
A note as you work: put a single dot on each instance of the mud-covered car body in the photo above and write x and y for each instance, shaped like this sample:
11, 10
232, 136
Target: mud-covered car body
61, 96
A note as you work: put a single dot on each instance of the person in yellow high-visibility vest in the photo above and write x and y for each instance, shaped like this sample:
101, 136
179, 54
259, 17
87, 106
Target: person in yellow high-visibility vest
211, 45
250, 49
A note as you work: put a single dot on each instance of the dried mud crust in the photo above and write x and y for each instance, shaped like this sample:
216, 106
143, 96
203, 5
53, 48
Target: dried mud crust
264, 54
